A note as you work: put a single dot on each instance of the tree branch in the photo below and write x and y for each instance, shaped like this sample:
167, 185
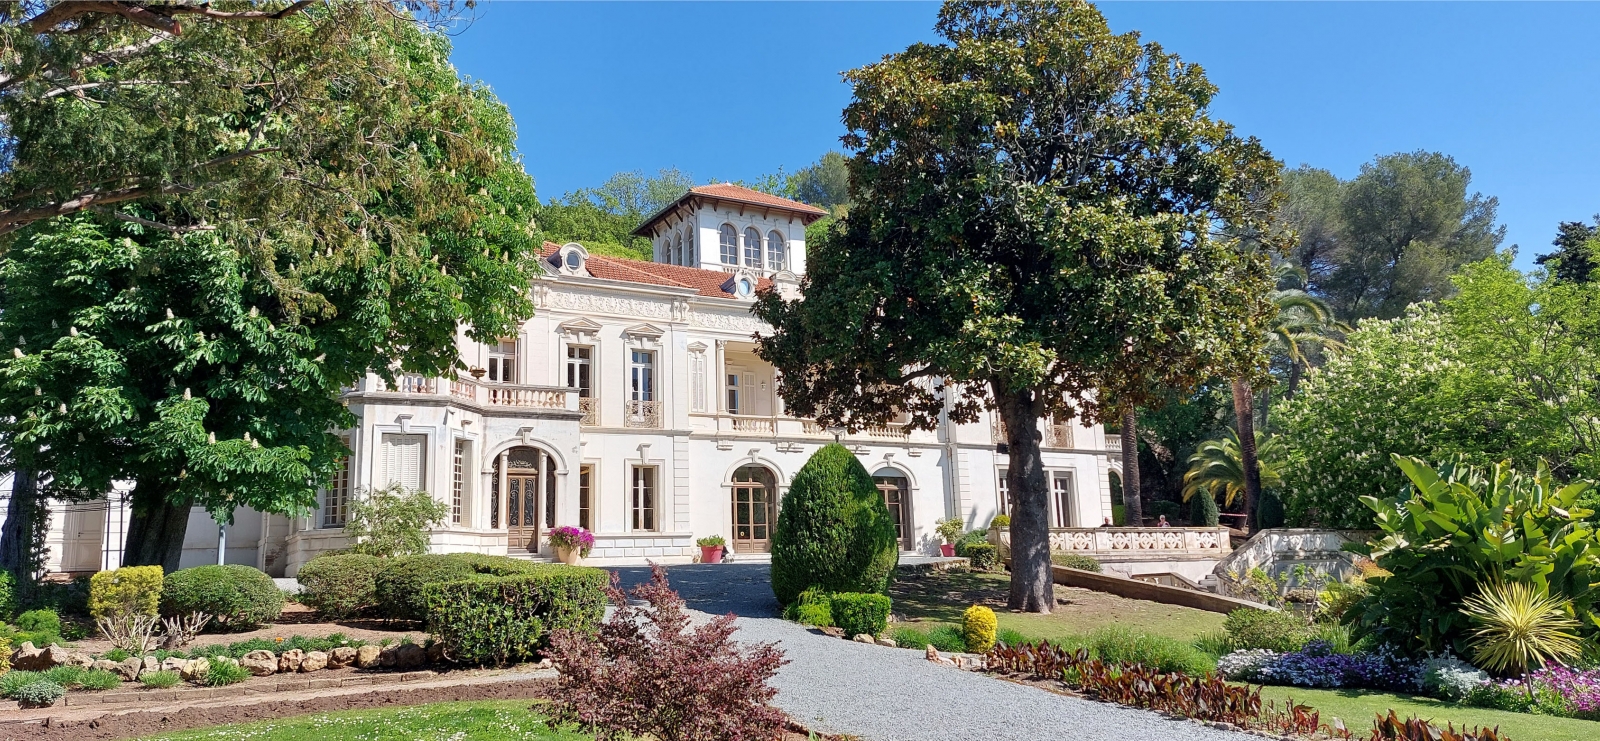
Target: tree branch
155, 17
152, 224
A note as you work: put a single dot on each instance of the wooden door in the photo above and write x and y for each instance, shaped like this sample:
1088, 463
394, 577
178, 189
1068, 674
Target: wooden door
896, 496
755, 500
522, 511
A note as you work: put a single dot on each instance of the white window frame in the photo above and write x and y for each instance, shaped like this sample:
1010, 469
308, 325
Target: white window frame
641, 375
503, 362
1063, 513
643, 499
697, 381
575, 366
753, 252
1003, 492
777, 251
336, 498
729, 235
389, 445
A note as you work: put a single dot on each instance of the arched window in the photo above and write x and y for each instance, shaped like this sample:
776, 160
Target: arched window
752, 248
677, 251
776, 259
688, 248
730, 245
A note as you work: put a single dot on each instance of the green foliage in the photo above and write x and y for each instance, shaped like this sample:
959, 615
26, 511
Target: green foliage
983, 556
116, 654
1392, 235
602, 219
1519, 628
392, 522
237, 597
834, 531
40, 693
1214, 469
66, 675
858, 613
130, 590
970, 538
504, 619
1203, 511
813, 607
1497, 372
1115, 643
224, 673
1000, 521
161, 680
339, 585
11, 681
353, 236
1280, 631
711, 541
978, 625
40, 621
99, 679
1577, 253
1215, 644
1462, 527
8, 591
947, 638
400, 583
1270, 514
1075, 561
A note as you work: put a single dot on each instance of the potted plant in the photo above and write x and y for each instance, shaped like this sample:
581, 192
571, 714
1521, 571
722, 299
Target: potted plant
949, 529
711, 548
572, 544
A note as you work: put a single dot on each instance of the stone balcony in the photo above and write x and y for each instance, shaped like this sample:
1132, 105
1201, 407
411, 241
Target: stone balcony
488, 398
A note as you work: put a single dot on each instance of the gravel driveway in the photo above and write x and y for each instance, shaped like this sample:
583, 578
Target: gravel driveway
888, 694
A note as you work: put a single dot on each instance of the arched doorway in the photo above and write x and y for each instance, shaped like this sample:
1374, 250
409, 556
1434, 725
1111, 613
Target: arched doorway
755, 507
896, 491
526, 496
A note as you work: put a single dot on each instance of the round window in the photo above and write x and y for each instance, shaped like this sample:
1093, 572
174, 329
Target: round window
744, 286
574, 260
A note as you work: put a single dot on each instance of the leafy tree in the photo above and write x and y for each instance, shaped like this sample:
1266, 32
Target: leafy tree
825, 183
1577, 252
1033, 229
1502, 370
602, 219
1391, 236
1217, 470
203, 360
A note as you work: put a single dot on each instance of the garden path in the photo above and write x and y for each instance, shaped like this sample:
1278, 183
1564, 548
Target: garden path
885, 694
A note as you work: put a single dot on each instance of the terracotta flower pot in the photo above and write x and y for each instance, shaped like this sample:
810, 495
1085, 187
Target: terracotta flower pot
569, 556
711, 554
947, 549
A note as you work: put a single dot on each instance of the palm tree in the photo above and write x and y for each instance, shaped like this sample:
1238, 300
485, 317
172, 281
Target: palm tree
1302, 319
1217, 469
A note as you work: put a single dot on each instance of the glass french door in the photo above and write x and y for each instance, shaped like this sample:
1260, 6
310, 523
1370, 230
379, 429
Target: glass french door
896, 495
754, 509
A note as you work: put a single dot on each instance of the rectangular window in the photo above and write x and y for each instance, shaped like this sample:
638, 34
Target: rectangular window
503, 362
1005, 493
1061, 497
642, 376
458, 481
336, 499
733, 394
644, 498
697, 381
585, 496
580, 363
404, 459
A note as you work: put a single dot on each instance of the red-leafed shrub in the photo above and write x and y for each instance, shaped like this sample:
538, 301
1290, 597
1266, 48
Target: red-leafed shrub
648, 672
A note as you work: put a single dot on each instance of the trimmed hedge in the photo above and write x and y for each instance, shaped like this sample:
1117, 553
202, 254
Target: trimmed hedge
1203, 510
1275, 631
834, 531
130, 590
983, 556
969, 539
237, 597
398, 586
486, 619
1075, 561
340, 585
858, 612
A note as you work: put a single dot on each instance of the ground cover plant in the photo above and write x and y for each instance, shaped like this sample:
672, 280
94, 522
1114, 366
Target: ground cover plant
700, 683
499, 720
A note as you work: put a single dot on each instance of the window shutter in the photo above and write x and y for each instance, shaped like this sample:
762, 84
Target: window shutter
403, 460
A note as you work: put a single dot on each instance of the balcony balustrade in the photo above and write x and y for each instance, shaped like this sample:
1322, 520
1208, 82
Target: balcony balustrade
644, 414
590, 407
482, 394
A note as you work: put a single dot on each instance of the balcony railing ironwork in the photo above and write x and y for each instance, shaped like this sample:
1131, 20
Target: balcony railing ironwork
646, 414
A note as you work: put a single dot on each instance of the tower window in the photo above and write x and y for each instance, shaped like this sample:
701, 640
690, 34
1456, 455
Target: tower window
776, 259
730, 245
752, 248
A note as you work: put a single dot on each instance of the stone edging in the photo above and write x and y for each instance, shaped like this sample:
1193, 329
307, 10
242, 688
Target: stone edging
114, 697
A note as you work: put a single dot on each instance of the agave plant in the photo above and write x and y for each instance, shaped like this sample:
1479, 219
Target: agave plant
1216, 468
1520, 628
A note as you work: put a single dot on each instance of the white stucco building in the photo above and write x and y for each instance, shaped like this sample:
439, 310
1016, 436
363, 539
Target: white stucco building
631, 404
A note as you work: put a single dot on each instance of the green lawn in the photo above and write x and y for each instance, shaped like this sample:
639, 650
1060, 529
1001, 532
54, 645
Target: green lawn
1357, 710
499, 720
941, 598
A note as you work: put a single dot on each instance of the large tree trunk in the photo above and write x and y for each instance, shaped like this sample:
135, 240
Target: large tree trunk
1245, 419
156, 529
1133, 504
16, 536
1294, 379
1032, 586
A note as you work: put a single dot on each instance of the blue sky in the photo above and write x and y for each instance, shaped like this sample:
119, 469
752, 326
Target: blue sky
733, 90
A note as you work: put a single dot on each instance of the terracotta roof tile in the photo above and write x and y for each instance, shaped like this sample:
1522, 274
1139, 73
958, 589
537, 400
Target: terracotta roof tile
705, 282
739, 194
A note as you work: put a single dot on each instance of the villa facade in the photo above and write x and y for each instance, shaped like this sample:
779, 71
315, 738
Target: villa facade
631, 404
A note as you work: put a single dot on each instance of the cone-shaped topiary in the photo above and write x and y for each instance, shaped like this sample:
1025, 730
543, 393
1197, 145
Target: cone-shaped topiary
834, 531
1269, 513
1203, 509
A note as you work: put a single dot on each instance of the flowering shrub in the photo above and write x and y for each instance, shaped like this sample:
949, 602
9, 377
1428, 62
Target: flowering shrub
1318, 665
1581, 689
1245, 666
567, 536
1449, 678
650, 673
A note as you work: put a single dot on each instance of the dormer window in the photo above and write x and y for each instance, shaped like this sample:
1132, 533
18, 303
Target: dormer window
570, 259
741, 284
